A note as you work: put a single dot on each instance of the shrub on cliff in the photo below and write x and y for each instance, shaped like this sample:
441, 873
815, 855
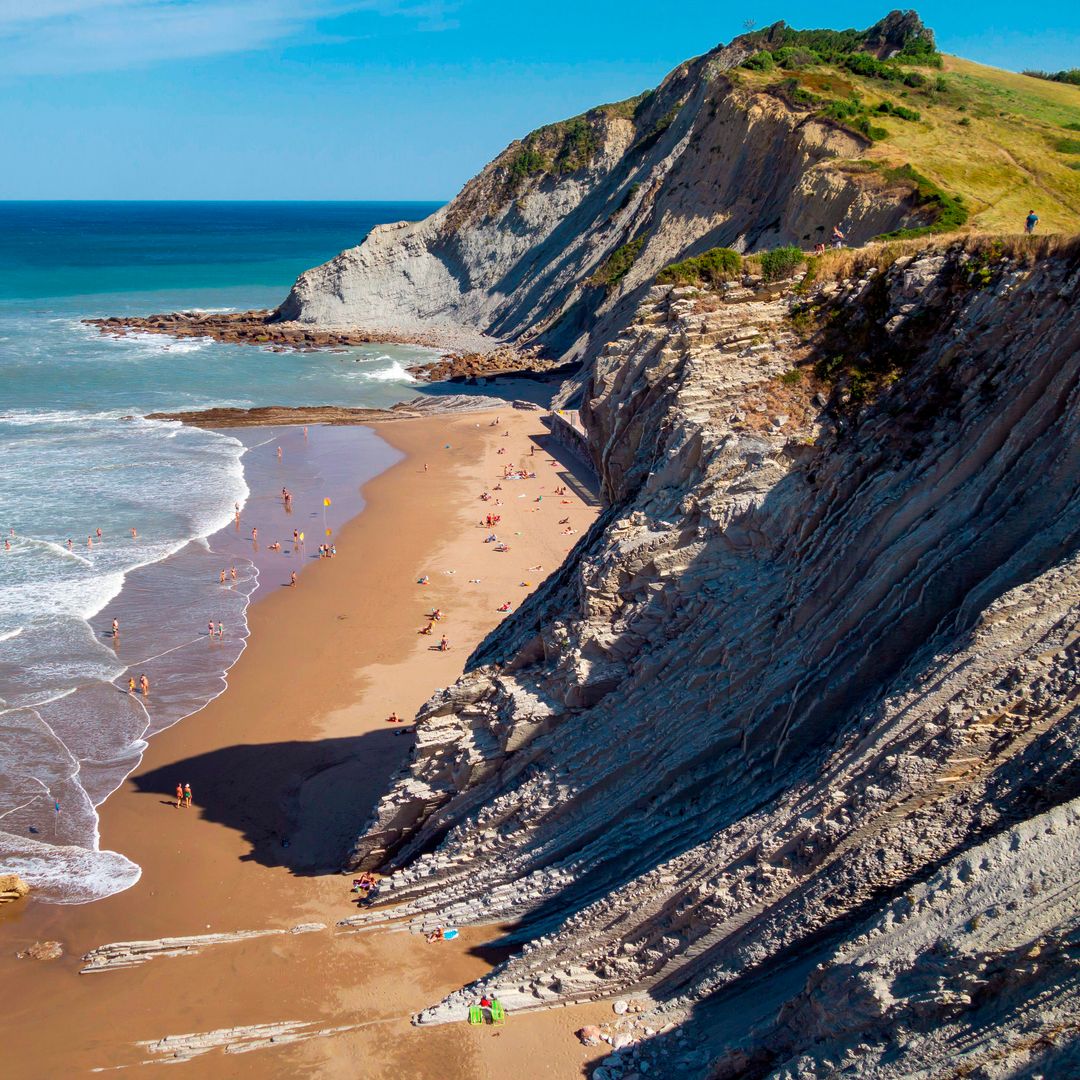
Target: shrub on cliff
618, 264
780, 263
711, 267
1071, 75
947, 211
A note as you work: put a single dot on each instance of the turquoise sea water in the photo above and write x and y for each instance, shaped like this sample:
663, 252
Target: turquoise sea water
77, 457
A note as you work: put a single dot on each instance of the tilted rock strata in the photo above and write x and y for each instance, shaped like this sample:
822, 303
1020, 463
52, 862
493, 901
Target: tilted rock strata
522, 253
800, 662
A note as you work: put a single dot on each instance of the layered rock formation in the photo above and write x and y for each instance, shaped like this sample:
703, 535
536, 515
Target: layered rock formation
789, 743
555, 241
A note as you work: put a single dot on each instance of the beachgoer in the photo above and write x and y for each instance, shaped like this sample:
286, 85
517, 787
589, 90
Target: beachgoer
220, 630
210, 627
279, 453
333, 550
179, 796
1031, 221
144, 685
131, 684
222, 577
435, 935
305, 433
393, 718
69, 543
292, 578
89, 541
255, 533
99, 534
425, 466
133, 533
187, 795
232, 573
444, 645
296, 537
115, 628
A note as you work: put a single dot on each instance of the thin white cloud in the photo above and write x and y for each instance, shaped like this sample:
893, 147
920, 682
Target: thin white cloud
65, 36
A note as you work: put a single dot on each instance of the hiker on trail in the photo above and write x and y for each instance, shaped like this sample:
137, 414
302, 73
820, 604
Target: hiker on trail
1030, 222
837, 237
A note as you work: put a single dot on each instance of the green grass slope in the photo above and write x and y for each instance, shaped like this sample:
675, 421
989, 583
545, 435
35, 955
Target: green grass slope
1004, 142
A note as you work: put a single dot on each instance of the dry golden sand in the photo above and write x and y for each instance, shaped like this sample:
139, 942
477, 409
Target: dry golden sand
298, 749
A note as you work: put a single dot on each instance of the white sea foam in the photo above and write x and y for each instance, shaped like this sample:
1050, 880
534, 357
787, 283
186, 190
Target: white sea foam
66, 874
394, 373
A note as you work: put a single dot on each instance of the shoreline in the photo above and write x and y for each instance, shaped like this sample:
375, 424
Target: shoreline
296, 750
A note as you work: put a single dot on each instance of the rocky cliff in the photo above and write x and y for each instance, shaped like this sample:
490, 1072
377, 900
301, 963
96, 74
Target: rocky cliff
556, 241
788, 747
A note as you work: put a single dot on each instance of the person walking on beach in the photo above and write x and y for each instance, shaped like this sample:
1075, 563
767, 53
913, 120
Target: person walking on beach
131, 684
255, 534
1030, 222
232, 573
220, 630
115, 628
144, 685
179, 796
69, 543
222, 577
89, 541
292, 578
134, 534
187, 795
210, 628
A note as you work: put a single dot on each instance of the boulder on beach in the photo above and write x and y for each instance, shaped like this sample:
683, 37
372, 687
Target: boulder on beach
12, 887
42, 950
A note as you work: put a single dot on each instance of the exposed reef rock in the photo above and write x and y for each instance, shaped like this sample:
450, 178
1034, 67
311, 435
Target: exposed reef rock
791, 737
556, 241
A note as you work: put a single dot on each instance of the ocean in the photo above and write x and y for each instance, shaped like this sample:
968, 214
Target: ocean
78, 457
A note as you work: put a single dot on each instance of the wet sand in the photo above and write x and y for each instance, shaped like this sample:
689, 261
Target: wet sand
285, 766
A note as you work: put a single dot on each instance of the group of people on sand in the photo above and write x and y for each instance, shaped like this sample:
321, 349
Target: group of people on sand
514, 472
212, 631
183, 796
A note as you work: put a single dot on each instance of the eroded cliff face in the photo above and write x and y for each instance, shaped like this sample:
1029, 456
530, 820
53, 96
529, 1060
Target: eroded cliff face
522, 254
789, 744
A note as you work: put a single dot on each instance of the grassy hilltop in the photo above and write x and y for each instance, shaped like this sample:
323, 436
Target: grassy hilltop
1003, 142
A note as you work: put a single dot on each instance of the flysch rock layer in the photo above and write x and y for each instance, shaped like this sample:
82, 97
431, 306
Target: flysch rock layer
790, 742
521, 256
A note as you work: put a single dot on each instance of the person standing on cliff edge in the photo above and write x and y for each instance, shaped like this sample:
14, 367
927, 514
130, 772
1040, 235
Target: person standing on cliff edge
1030, 222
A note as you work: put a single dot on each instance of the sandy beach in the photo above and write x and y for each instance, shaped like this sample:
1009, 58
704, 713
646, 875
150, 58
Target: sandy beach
285, 766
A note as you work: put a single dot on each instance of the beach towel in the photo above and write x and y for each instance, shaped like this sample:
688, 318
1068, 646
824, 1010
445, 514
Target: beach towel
498, 1014
449, 935
476, 1014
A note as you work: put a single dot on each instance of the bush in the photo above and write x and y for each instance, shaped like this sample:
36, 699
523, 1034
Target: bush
618, 264
1072, 75
915, 79
948, 210
760, 61
1067, 146
780, 263
579, 145
902, 111
712, 267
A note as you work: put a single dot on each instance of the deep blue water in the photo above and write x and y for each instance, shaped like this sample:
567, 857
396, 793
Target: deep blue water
50, 249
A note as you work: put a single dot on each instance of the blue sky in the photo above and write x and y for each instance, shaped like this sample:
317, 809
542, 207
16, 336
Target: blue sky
369, 99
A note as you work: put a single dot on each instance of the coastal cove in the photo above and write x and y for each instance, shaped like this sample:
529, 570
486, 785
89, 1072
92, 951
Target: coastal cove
295, 752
